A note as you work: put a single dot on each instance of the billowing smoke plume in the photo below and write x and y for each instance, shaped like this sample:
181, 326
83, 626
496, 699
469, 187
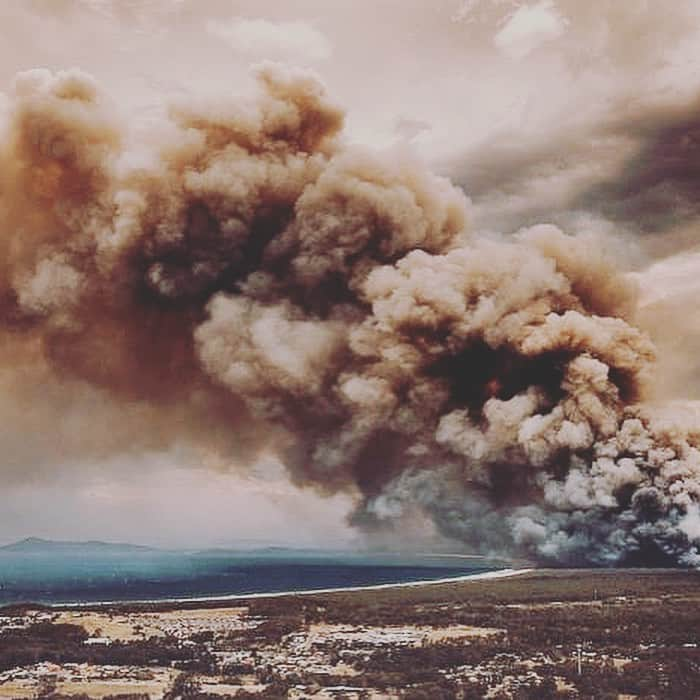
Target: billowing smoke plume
248, 282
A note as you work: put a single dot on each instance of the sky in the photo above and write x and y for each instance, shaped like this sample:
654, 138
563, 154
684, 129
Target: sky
581, 115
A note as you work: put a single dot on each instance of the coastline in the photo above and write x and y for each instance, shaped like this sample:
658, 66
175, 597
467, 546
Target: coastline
598, 632
484, 575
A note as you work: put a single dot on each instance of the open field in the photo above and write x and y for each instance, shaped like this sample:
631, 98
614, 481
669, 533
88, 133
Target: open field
542, 634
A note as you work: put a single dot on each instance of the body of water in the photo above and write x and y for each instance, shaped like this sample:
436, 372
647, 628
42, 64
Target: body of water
83, 573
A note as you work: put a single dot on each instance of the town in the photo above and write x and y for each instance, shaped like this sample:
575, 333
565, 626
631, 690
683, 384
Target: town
543, 634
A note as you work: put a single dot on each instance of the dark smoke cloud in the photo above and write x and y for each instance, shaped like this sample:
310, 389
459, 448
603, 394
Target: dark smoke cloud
635, 170
245, 281
609, 144
656, 188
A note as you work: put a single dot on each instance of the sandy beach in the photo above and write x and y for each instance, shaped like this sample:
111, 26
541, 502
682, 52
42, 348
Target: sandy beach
483, 576
523, 633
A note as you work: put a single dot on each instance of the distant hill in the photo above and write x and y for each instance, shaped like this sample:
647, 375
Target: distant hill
37, 545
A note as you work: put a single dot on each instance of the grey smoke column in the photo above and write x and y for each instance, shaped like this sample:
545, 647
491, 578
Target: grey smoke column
249, 282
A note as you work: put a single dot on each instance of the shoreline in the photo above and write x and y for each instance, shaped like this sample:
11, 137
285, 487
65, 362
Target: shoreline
484, 575
610, 632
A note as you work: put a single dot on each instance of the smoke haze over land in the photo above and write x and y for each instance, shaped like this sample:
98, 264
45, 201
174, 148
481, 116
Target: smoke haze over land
506, 349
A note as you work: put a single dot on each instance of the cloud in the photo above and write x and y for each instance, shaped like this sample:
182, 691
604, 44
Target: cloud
263, 38
143, 500
658, 185
528, 28
635, 167
109, 341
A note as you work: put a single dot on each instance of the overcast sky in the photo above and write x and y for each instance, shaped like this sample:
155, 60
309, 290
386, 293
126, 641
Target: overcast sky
583, 114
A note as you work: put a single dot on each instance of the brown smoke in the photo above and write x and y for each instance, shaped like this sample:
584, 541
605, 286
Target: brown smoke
247, 281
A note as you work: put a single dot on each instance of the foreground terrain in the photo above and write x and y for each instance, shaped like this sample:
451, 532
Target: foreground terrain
542, 634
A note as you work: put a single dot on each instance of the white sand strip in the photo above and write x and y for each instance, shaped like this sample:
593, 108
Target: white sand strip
501, 573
